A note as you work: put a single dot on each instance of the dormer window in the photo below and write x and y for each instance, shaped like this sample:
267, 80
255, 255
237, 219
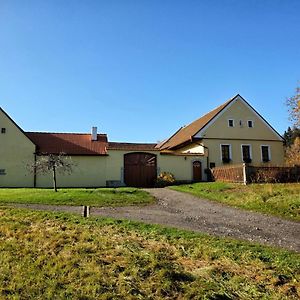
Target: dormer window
250, 123
230, 123
3, 130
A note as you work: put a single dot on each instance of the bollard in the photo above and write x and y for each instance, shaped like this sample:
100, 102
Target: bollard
85, 211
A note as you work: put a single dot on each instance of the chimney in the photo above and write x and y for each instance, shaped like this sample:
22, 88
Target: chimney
94, 134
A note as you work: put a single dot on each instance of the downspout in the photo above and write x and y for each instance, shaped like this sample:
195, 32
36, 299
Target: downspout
34, 171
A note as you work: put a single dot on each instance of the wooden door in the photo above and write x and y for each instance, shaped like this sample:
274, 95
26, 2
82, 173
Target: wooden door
197, 171
139, 169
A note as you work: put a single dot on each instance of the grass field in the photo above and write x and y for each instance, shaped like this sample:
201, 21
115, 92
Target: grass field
47, 255
77, 196
277, 199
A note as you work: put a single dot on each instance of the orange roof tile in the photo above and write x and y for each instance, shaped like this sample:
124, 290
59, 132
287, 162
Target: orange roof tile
131, 146
185, 134
69, 143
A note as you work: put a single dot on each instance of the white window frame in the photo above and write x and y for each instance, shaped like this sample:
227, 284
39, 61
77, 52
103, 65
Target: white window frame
248, 123
269, 153
250, 151
230, 152
233, 124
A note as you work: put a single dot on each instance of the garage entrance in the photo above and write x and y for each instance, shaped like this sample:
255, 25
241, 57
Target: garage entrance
139, 169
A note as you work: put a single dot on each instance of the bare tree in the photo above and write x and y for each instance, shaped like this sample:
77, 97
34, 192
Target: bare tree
293, 104
52, 163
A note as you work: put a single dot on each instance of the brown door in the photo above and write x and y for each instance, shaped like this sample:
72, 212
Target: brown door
197, 171
139, 169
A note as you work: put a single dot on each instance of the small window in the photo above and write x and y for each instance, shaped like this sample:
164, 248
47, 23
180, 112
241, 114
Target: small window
246, 153
265, 153
3, 130
225, 153
2, 172
231, 123
250, 123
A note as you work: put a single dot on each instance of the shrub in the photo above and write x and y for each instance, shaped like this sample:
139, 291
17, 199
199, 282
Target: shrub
165, 179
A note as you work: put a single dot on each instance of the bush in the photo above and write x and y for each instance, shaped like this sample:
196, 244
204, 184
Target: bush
165, 179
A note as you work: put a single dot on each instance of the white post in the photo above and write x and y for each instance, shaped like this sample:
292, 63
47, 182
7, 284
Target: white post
244, 174
85, 211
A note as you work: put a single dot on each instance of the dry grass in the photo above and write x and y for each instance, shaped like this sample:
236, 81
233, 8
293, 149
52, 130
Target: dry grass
278, 199
59, 256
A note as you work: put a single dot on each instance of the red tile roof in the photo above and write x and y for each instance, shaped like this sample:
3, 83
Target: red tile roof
185, 134
131, 146
69, 143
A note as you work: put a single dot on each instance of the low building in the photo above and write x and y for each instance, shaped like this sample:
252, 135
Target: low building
232, 133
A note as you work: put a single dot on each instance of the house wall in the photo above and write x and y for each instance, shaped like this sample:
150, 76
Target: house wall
276, 151
239, 111
94, 171
16, 151
88, 171
179, 166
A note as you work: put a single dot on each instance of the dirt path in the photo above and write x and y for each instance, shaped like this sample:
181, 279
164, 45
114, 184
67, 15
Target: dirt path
180, 210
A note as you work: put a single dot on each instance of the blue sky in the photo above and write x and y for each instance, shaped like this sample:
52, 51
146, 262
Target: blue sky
141, 69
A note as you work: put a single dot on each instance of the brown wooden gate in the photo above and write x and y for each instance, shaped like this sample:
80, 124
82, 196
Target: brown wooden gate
139, 169
197, 171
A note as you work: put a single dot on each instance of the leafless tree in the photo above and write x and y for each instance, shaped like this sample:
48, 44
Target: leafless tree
52, 163
293, 104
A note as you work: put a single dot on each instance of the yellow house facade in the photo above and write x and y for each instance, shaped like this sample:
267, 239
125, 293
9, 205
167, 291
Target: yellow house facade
230, 134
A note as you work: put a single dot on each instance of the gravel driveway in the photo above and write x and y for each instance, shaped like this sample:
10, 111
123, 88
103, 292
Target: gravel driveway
181, 210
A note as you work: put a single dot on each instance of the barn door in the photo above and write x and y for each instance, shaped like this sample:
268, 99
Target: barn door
139, 169
197, 171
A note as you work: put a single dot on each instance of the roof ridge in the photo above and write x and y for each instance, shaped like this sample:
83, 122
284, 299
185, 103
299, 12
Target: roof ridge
75, 133
132, 143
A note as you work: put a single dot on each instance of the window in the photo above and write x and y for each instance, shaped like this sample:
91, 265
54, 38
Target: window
250, 123
3, 130
225, 153
230, 123
2, 172
246, 153
265, 153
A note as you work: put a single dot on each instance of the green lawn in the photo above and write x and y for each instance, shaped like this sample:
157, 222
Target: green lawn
46, 255
93, 197
277, 199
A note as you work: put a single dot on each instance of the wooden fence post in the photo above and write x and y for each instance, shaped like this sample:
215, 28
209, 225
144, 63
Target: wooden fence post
85, 211
244, 174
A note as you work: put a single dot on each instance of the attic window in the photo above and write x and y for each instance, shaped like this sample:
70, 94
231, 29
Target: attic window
2, 172
230, 123
3, 130
250, 123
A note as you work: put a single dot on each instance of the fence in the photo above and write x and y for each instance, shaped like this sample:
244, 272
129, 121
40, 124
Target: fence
244, 173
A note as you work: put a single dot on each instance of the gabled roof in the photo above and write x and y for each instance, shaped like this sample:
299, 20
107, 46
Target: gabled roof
69, 143
185, 134
15, 124
131, 146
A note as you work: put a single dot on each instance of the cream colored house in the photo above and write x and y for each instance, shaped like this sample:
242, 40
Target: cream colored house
232, 133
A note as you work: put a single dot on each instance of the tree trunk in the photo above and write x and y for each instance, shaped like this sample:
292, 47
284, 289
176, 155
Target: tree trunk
54, 179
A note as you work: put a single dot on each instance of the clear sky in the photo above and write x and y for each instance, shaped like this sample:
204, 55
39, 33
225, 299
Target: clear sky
141, 69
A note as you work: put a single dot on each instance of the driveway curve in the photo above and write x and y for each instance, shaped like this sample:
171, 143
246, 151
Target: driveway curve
184, 211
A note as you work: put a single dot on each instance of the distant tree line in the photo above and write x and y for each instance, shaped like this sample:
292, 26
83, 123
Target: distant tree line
290, 135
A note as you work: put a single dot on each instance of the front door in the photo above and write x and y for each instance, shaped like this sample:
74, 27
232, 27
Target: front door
197, 171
